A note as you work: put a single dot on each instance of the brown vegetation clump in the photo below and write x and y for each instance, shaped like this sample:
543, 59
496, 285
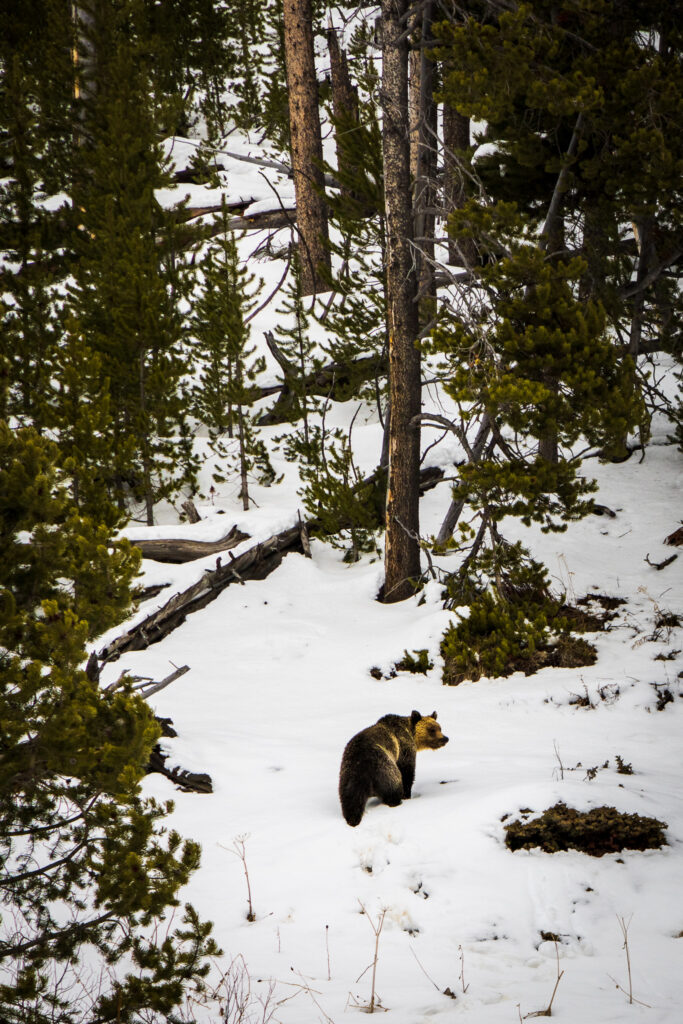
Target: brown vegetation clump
596, 832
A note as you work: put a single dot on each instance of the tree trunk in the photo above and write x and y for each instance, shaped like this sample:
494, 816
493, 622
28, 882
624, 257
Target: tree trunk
456, 506
84, 58
307, 153
424, 175
402, 551
344, 98
456, 137
552, 241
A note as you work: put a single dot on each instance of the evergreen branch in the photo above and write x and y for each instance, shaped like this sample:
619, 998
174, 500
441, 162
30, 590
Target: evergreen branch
62, 937
10, 881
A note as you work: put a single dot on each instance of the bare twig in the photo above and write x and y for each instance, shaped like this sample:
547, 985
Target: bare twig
239, 850
462, 970
559, 759
423, 970
625, 925
548, 1012
376, 926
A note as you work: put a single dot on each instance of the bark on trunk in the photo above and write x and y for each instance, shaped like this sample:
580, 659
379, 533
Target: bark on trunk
402, 550
456, 137
307, 153
424, 189
344, 98
84, 60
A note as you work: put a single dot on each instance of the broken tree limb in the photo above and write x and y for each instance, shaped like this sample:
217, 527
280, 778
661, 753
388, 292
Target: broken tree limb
143, 685
181, 550
190, 510
191, 782
661, 565
334, 380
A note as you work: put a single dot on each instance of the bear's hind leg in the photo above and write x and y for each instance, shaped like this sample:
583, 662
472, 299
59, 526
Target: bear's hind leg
389, 785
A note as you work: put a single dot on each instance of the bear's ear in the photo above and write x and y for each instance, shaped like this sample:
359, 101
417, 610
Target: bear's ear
415, 717
433, 715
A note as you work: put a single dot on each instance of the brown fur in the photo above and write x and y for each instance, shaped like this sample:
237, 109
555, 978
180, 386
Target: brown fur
380, 761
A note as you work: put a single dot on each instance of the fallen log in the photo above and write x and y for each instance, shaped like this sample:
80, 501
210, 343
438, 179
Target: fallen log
178, 550
255, 563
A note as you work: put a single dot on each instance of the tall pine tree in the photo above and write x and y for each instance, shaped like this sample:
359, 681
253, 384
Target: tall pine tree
128, 278
225, 390
86, 868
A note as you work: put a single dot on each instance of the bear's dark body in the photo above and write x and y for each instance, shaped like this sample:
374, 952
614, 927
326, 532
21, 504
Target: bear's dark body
380, 761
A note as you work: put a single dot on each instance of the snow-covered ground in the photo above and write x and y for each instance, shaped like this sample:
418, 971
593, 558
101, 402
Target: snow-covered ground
280, 681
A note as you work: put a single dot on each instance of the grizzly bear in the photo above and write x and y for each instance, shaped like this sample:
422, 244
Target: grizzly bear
380, 761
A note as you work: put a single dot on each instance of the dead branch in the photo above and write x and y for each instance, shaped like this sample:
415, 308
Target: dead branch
661, 565
332, 381
177, 550
189, 782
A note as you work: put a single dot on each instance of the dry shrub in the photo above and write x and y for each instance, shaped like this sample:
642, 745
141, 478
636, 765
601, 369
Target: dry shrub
596, 832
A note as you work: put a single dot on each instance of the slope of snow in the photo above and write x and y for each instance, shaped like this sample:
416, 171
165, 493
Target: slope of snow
280, 681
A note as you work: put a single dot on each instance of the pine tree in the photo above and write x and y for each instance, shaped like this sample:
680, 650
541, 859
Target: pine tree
31, 324
356, 321
545, 356
345, 509
607, 75
80, 417
128, 279
225, 391
298, 352
534, 359
85, 864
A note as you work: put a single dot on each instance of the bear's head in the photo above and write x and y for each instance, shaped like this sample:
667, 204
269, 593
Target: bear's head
428, 734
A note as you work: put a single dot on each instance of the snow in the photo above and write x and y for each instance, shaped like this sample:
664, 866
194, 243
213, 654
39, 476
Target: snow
248, 176
280, 681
